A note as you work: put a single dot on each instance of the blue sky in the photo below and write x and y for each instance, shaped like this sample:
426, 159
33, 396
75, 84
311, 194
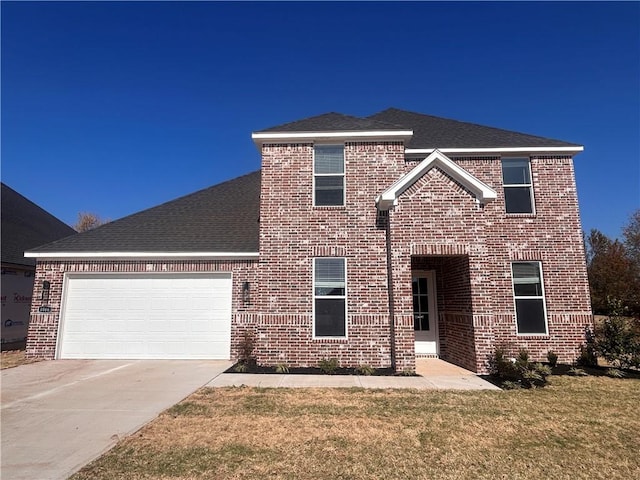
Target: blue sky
116, 107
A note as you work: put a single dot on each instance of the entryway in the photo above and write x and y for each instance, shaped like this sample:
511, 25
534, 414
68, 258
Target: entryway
425, 316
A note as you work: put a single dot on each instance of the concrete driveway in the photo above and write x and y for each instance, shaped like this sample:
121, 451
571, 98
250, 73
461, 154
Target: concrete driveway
59, 415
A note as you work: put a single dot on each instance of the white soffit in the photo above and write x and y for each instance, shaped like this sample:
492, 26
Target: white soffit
143, 255
482, 191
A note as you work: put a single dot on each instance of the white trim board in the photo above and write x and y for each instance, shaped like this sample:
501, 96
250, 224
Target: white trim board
416, 151
144, 255
285, 137
482, 191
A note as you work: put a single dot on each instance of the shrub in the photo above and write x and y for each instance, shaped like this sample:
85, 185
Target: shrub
241, 367
246, 346
552, 357
577, 372
282, 368
329, 365
618, 343
365, 370
615, 373
518, 370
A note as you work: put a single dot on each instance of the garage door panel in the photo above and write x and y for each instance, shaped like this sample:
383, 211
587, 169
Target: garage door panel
146, 316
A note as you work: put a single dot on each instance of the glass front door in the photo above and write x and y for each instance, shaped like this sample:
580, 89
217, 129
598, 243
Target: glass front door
424, 312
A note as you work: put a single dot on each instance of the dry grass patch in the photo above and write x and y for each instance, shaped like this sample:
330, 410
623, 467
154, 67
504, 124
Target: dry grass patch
575, 428
14, 358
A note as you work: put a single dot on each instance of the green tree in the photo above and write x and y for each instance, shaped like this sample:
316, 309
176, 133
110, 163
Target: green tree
612, 275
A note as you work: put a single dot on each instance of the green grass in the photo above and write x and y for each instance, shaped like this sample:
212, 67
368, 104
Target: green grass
577, 427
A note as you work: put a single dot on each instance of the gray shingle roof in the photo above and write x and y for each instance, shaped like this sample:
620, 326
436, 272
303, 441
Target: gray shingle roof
25, 225
334, 122
221, 218
437, 132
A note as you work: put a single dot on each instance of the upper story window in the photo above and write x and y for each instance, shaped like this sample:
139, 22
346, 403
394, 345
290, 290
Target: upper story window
328, 175
528, 292
330, 297
518, 189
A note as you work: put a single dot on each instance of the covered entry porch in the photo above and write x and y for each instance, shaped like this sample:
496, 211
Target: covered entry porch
442, 309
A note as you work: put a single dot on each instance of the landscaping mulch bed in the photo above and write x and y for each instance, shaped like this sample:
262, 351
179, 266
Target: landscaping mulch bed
267, 370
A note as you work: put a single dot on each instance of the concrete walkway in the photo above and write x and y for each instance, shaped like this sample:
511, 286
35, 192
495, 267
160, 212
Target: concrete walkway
436, 374
59, 415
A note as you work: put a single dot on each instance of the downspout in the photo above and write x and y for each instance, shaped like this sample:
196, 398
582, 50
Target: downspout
392, 328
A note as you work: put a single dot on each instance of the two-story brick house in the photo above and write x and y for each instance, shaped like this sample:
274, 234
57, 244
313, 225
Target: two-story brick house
372, 240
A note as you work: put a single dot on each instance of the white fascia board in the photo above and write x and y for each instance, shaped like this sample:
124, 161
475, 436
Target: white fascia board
285, 137
481, 190
425, 151
143, 255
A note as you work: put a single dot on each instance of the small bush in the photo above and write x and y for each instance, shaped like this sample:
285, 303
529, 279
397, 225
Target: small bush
615, 373
246, 346
241, 367
552, 357
618, 343
329, 365
282, 368
365, 370
519, 369
577, 372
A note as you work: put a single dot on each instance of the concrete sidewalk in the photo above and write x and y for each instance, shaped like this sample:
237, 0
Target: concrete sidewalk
436, 374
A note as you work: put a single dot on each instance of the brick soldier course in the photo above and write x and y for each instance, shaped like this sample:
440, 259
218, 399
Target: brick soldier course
438, 222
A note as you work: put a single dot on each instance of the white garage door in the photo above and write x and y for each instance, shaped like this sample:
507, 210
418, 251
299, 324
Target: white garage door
163, 316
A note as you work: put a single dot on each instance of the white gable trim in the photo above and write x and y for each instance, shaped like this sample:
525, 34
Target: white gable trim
143, 255
482, 191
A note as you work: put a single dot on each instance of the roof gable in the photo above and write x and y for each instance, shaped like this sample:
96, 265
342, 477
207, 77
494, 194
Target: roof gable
219, 219
333, 122
25, 225
483, 193
430, 132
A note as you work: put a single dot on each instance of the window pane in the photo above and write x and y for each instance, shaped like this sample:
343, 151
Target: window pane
330, 317
526, 279
329, 276
424, 303
329, 191
329, 159
515, 171
530, 315
518, 199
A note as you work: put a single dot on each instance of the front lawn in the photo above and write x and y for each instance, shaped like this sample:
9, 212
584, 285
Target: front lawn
576, 427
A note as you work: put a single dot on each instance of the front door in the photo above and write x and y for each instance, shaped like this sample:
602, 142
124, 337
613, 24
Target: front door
425, 319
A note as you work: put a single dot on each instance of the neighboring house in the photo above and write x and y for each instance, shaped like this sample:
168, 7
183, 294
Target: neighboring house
371, 240
24, 225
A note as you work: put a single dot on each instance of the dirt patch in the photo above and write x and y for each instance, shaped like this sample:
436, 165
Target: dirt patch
14, 358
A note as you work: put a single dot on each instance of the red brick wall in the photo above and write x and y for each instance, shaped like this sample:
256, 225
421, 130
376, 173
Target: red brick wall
293, 232
438, 217
434, 218
43, 327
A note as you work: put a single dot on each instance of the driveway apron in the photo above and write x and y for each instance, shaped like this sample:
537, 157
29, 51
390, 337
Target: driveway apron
59, 415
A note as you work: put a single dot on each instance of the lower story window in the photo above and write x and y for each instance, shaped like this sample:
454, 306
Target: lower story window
329, 297
528, 292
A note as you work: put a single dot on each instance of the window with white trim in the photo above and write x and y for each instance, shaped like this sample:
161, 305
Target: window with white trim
329, 297
528, 292
518, 189
328, 175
